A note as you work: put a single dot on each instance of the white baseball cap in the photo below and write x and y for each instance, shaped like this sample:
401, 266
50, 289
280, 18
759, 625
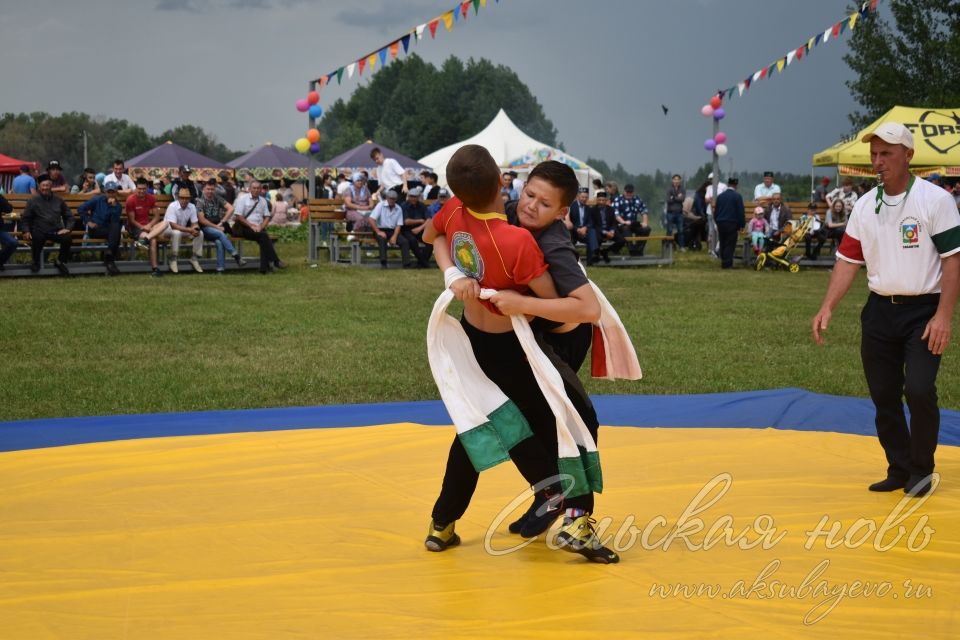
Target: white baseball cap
893, 133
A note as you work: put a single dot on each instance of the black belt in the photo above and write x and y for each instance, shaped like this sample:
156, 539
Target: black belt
926, 298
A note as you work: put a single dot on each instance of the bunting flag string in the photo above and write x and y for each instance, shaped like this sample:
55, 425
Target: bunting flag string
833, 32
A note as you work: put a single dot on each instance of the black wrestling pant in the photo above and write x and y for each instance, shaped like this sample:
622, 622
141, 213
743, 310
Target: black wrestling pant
503, 361
898, 364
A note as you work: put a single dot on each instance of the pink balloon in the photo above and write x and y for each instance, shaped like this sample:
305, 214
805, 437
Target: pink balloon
302, 105
720, 138
706, 110
709, 144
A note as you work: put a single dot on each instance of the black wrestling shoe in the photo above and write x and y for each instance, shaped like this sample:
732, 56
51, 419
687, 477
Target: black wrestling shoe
917, 485
517, 524
546, 508
891, 483
577, 536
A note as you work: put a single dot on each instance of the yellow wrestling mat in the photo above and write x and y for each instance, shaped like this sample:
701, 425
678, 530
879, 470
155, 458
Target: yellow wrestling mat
319, 534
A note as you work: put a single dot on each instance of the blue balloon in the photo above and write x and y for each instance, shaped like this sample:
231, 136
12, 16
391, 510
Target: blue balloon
315, 111
315, 147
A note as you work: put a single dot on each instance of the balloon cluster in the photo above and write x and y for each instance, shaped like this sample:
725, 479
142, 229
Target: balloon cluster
309, 105
714, 109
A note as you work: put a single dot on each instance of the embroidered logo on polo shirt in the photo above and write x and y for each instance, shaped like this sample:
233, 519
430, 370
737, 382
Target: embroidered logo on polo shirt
910, 233
466, 256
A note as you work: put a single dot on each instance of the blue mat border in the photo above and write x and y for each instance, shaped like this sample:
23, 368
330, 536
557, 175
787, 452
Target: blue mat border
794, 409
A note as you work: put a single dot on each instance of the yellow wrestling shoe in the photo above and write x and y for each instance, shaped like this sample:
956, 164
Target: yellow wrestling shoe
577, 535
440, 536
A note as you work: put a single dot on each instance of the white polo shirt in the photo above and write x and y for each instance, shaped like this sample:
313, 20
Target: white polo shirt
902, 245
183, 216
390, 174
763, 191
387, 217
254, 211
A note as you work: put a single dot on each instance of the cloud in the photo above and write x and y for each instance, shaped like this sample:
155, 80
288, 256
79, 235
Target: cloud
177, 5
250, 4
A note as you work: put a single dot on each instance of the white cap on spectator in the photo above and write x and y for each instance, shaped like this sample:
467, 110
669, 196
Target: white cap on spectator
416, 192
892, 132
391, 194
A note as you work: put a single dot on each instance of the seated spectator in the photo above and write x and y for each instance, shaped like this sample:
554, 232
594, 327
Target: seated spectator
758, 230
304, 211
763, 193
576, 218
213, 212
181, 219
602, 227
58, 182
816, 231
327, 190
24, 183
386, 222
119, 179
87, 183
430, 188
101, 217
47, 218
820, 193
342, 185
778, 215
250, 218
835, 225
280, 207
8, 243
183, 181
144, 224
631, 214
415, 218
845, 193
357, 204
697, 228
442, 196
597, 186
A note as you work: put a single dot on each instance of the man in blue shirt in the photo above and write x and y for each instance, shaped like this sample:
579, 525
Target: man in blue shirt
730, 220
631, 213
101, 215
24, 183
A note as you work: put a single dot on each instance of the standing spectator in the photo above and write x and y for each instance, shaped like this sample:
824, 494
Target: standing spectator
47, 217
280, 208
631, 214
390, 175
820, 193
430, 187
386, 222
327, 188
676, 194
758, 230
763, 193
357, 204
506, 187
517, 182
101, 217
229, 187
907, 233
415, 219
87, 183
181, 220
24, 183
213, 212
8, 243
58, 182
779, 216
730, 220
183, 181
442, 196
845, 193
709, 198
121, 180
577, 217
250, 218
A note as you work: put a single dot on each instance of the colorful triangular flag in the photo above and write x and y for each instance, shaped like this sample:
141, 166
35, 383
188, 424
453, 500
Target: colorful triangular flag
448, 19
351, 68
383, 56
740, 87
781, 63
465, 8
763, 72
406, 42
476, 7
800, 51
419, 30
825, 35
756, 76
790, 56
322, 80
362, 62
747, 83
372, 61
433, 28
339, 75
853, 21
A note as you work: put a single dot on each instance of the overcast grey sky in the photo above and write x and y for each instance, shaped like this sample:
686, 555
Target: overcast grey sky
600, 69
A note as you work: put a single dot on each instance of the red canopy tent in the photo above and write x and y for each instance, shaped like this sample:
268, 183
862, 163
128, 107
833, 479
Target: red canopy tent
10, 168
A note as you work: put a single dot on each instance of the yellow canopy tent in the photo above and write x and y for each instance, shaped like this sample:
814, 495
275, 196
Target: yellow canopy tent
936, 135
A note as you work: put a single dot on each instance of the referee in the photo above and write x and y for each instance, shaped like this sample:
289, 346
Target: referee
907, 232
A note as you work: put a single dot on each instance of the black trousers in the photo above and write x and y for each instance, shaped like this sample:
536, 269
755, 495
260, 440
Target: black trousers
112, 236
406, 246
727, 234
268, 255
408, 237
40, 238
635, 228
898, 364
501, 358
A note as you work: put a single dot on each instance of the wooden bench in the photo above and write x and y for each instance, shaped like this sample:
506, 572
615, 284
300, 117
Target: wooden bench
626, 260
324, 217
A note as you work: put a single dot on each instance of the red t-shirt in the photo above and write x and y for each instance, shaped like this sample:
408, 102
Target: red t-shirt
141, 208
484, 246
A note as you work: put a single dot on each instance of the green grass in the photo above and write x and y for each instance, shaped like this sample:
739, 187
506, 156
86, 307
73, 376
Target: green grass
331, 335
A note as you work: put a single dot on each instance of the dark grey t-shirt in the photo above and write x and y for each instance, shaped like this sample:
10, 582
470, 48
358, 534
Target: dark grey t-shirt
559, 254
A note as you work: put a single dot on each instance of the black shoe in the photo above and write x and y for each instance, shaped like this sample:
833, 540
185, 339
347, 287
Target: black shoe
517, 525
383, 264
408, 266
918, 485
155, 273
112, 269
606, 256
239, 260
546, 508
34, 268
62, 268
280, 264
891, 483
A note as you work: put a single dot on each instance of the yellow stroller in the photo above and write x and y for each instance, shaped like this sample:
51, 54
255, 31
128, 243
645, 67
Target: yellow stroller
781, 254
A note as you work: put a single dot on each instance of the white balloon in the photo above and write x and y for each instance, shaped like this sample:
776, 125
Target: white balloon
722, 150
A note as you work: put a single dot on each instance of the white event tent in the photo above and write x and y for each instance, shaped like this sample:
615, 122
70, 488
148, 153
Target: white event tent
512, 149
